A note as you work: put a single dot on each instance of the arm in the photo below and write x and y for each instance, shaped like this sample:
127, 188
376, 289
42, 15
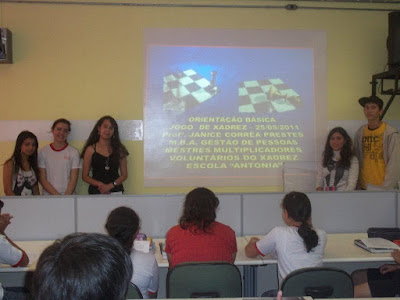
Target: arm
393, 161
4, 222
396, 256
153, 295
153, 287
233, 245
167, 248
265, 245
358, 153
35, 189
319, 180
87, 162
251, 249
8, 170
169, 258
45, 183
105, 189
353, 174
73, 179
388, 268
233, 256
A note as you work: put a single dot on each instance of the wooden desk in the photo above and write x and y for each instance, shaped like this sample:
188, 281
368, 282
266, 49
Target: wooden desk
340, 248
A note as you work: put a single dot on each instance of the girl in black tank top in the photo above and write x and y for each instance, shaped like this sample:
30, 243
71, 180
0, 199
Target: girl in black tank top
105, 169
106, 177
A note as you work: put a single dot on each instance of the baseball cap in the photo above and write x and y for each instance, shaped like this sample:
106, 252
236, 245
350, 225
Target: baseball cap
371, 99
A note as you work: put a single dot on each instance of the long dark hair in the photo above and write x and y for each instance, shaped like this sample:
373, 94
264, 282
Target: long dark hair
122, 224
345, 154
199, 210
118, 149
298, 207
17, 157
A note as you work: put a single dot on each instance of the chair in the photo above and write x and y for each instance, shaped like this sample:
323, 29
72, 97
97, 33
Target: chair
318, 283
204, 280
133, 292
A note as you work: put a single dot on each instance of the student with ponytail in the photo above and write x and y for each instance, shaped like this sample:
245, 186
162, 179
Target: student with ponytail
123, 224
297, 244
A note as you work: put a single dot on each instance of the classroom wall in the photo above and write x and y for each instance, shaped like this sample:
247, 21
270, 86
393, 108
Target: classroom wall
84, 61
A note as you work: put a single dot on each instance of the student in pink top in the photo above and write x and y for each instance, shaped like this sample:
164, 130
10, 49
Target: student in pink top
198, 237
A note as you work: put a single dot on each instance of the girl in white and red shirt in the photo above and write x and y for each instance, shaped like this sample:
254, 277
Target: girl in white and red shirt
59, 162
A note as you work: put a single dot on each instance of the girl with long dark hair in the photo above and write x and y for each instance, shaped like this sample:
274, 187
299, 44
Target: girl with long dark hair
20, 171
105, 156
339, 168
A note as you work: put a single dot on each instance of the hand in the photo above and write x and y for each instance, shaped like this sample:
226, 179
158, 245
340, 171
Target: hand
5, 220
279, 295
105, 188
251, 250
388, 268
396, 255
254, 240
319, 189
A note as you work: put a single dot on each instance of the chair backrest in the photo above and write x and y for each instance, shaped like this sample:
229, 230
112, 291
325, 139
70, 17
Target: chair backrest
318, 283
133, 292
204, 280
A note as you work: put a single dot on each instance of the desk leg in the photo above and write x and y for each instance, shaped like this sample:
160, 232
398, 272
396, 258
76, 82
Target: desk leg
250, 281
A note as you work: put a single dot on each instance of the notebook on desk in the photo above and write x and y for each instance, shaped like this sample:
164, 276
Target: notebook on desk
376, 245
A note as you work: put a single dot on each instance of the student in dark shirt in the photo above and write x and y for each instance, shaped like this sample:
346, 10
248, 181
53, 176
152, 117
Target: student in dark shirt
378, 282
105, 156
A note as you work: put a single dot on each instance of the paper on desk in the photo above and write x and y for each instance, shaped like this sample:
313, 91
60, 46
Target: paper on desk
379, 243
142, 246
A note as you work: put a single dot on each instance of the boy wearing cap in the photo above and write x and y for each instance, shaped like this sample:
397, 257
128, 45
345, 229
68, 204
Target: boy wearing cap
377, 147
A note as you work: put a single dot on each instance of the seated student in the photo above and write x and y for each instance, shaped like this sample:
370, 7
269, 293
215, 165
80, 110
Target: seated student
83, 266
297, 244
198, 237
338, 170
380, 282
20, 171
123, 225
10, 253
